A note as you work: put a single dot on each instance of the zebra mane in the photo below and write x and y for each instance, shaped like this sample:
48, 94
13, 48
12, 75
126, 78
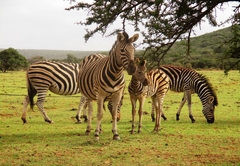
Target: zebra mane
210, 87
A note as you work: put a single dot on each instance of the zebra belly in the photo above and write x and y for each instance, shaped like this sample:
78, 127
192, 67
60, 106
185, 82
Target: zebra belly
64, 91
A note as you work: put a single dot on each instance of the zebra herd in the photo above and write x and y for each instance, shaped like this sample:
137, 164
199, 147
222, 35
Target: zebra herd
101, 78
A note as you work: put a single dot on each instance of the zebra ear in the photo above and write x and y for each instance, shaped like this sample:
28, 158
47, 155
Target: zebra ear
120, 37
211, 99
144, 64
134, 38
137, 61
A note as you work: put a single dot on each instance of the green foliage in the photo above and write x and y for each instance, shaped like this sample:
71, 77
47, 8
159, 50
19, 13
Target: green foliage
232, 55
201, 56
36, 59
10, 59
65, 143
162, 23
72, 59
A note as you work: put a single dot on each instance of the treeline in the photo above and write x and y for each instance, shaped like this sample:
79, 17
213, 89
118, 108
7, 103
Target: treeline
206, 51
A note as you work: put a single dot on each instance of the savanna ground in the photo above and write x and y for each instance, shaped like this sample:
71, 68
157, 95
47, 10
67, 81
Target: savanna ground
65, 143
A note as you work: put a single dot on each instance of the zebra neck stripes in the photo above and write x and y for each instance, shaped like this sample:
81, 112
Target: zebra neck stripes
103, 79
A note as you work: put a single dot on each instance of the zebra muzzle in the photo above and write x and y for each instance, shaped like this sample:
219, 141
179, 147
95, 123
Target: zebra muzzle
131, 67
145, 82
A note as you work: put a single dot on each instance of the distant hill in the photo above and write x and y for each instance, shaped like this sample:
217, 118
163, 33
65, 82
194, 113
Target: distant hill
203, 45
205, 50
54, 54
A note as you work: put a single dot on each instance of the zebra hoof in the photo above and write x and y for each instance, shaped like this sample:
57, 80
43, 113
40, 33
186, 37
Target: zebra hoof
177, 117
78, 122
87, 132
96, 137
24, 120
116, 137
49, 121
193, 121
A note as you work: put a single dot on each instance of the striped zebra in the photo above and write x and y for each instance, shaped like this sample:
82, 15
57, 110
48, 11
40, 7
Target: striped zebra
58, 77
83, 104
103, 80
189, 81
158, 85
139, 76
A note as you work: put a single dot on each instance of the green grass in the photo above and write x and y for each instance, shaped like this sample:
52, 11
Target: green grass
65, 143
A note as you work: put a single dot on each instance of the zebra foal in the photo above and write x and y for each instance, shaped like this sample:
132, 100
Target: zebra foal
103, 80
189, 81
157, 87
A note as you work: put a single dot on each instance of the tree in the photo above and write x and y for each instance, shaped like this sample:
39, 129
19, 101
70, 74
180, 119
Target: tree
11, 59
232, 56
36, 59
71, 59
161, 22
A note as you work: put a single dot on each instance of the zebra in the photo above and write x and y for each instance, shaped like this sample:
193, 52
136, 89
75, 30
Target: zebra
139, 76
189, 81
103, 80
58, 77
83, 104
157, 87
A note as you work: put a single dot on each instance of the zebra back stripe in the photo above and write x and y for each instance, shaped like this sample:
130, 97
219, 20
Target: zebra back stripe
60, 77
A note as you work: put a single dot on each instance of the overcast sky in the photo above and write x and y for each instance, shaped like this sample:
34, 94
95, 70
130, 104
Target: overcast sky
45, 24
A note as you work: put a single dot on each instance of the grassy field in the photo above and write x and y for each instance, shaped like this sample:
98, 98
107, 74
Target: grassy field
64, 142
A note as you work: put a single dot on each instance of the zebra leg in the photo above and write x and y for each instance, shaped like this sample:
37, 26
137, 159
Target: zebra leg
157, 109
81, 103
163, 116
153, 114
180, 107
24, 110
116, 102
140, 112
189, 99
158, 103
119, 109
100, 102
40, 104
84, 116
133, 101
90, 109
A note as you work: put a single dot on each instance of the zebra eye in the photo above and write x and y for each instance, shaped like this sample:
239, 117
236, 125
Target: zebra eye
122, 50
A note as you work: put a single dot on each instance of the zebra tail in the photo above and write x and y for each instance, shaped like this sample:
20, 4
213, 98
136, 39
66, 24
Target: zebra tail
31, 93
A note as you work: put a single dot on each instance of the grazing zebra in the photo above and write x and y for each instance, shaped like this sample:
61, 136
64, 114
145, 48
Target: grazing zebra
58, 77
158, 84
189, 81
103, 80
